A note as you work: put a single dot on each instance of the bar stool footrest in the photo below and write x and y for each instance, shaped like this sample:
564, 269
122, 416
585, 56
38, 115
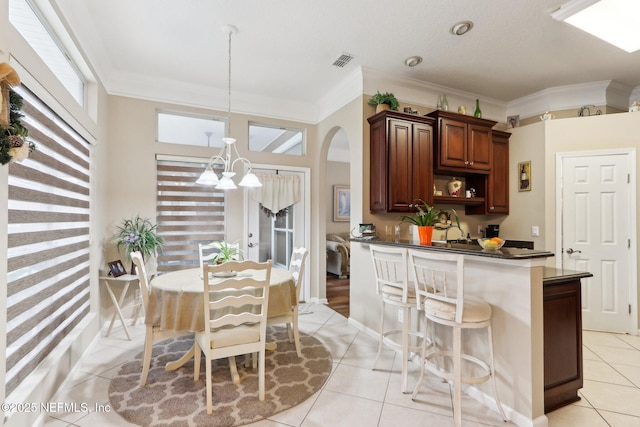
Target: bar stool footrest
448, 376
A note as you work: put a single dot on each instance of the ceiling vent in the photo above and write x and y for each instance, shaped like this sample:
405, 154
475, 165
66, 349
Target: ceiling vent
343, 60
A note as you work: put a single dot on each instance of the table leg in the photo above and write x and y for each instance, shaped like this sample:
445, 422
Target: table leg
117, 303
172, 366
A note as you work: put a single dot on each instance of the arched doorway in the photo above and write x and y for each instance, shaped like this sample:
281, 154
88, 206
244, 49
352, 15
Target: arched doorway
337, 223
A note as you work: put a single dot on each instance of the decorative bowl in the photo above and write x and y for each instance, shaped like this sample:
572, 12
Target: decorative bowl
491, 244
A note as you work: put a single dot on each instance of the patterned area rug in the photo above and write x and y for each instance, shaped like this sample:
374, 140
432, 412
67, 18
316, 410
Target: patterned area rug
173, 398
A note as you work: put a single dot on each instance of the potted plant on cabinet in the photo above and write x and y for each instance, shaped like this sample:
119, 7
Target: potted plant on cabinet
383, 101
426, 217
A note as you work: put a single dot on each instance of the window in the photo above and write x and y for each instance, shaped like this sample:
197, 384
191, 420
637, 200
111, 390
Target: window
48, 240
274, 139
33, 27
187, 213
176, 128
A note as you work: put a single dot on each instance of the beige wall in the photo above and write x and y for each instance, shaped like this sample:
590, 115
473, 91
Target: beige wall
338, 173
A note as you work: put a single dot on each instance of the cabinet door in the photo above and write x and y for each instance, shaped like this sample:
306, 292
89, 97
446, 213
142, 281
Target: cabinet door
400, 165
378, 166
479, 148
453, 143
422, 163
498, 188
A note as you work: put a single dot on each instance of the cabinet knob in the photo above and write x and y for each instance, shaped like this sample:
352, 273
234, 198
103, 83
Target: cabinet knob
491, 208
470, 163
466, 162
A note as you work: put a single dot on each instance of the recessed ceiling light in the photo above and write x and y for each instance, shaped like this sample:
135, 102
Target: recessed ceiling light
461, 28
613, 21
412, 61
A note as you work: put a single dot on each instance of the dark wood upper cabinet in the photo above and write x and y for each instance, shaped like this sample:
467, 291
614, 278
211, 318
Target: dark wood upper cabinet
463, 143
401, 161
497, 183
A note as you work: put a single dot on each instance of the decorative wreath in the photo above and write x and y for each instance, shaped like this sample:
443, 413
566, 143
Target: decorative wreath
14, 145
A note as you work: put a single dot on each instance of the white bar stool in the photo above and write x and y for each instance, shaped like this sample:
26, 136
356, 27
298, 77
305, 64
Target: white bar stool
390, 268
439, 282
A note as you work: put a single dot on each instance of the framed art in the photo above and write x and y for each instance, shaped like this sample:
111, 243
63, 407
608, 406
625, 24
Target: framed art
116, 268
341, 203
513, 121
524, 176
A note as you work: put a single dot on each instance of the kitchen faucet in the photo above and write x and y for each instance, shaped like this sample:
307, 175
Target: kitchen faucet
446, 232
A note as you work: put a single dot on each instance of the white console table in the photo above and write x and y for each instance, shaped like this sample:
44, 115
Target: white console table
124, 280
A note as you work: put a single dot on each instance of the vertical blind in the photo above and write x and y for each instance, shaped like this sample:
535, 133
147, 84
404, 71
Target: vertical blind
48, 240
187, 213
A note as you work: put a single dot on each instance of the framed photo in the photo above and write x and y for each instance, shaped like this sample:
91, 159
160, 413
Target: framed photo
367, 229
524, 176
116, 268
513, 121
341, 203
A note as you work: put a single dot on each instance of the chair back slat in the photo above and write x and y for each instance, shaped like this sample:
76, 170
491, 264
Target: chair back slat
231, 301
296, 267
390, 269
143, 278
438, 277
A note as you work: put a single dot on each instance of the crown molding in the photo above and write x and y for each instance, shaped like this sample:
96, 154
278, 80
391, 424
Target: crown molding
605, 92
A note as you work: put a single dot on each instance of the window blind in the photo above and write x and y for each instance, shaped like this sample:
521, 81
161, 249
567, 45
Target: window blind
48, 240
187, 213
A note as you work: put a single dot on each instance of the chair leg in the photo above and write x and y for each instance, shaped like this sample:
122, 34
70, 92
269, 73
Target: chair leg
197, 354
423, 357
493, 375
457, 376
146, 358
296, 335
209, 392
381, 332
234, 370
289, 334
405, 349
261, 379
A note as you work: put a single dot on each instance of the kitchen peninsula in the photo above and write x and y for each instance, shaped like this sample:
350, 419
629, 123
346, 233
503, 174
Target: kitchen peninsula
513, 282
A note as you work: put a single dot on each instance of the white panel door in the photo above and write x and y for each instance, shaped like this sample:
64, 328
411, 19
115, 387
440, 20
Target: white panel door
595, 236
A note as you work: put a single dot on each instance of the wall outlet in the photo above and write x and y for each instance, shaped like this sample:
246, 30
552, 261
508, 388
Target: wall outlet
535, 231
400, 316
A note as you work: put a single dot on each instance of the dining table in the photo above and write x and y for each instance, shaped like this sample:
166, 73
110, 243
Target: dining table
176, 301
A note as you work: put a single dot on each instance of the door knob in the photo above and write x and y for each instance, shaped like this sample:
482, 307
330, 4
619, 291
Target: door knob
251, 244
571, 251
250, 234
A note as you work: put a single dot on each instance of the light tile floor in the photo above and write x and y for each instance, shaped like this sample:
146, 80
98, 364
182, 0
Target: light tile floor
354, 395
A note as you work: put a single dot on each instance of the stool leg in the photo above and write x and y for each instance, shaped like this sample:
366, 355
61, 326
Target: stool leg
405, 348
423, 356
381, 332
493, 374
457, 376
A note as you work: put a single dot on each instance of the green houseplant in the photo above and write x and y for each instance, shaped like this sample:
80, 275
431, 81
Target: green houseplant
138, 234
227, 252
425, 218
384, 98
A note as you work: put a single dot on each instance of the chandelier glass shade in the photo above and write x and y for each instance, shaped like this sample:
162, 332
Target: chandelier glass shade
224, 157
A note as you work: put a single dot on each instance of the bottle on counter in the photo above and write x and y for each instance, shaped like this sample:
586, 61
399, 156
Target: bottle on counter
478, 112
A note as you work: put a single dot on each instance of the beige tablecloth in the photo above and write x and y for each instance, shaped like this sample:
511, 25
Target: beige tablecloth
176, 298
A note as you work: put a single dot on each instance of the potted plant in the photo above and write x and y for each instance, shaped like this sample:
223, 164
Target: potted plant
138, 234
380, 100
426, 217
227, 252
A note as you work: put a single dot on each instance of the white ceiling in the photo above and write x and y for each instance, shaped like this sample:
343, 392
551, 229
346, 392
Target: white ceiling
175, 50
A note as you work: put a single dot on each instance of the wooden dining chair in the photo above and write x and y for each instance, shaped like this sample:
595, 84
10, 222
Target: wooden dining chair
153, 332
235, 315
296, 268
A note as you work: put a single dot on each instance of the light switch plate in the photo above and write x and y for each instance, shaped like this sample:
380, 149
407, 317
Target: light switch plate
535, 231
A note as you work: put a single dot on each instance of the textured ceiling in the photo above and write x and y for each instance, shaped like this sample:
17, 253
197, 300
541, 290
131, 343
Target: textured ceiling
284, 48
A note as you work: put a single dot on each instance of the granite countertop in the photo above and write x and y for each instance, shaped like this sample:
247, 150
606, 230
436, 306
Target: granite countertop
559, 275
461, 248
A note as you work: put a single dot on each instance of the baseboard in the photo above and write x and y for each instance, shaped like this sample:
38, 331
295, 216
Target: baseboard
52, 374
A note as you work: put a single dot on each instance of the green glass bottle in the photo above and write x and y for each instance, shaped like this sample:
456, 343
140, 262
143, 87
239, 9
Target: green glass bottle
477, 113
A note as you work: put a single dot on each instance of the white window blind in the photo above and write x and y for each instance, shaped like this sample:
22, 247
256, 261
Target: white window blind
187, 213
48, 240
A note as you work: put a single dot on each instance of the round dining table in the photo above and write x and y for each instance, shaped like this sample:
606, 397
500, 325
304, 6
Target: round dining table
176, 301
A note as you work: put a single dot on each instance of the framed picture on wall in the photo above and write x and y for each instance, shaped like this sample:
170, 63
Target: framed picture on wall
341, 203
524, 176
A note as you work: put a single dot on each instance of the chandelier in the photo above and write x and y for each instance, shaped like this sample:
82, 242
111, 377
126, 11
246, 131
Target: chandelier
224, 157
